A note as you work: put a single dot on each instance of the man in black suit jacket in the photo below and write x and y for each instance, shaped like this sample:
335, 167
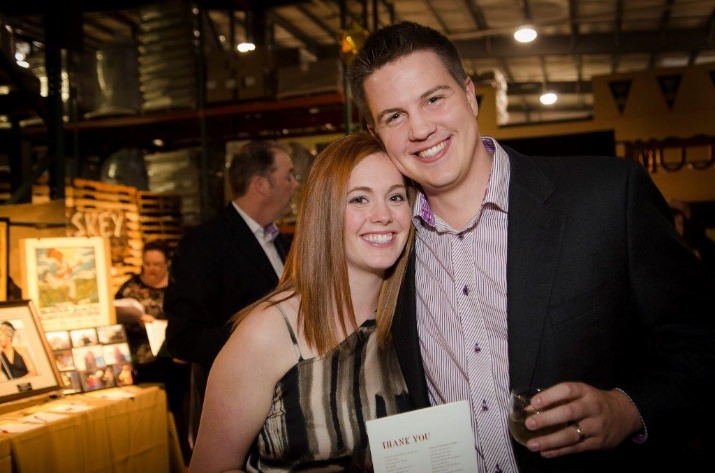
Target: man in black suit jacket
561, 273
229, 262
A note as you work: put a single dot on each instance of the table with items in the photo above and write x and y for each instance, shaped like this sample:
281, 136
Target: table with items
119, 430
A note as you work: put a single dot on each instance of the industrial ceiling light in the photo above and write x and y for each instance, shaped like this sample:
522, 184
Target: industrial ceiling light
525, 34
548, 98
245, 47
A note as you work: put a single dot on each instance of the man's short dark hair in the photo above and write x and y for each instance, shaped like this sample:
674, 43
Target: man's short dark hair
393, 42
255, 158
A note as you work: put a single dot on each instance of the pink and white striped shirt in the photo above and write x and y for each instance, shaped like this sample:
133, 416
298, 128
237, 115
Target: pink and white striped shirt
461, 313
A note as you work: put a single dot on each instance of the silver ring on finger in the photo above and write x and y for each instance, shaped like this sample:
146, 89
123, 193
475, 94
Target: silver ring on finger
579, 431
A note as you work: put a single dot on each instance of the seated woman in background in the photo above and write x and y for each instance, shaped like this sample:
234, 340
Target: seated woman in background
319, 345
148, 289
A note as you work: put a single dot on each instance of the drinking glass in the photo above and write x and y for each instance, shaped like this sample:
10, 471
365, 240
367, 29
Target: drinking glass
519, 409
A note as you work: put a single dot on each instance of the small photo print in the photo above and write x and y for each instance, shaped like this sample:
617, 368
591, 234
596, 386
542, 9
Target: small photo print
83, 337
71, 381
64, 360
124, 375
111, 334
59, 340
89, 358
100, 378
116, 353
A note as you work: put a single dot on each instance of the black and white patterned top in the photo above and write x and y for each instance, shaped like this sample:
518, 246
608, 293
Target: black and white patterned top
320, 406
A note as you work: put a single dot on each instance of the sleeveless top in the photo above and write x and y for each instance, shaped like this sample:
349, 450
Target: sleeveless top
317, 418
15, 369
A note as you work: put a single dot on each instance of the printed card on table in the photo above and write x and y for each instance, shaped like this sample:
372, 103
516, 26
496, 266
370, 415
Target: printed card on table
431, 440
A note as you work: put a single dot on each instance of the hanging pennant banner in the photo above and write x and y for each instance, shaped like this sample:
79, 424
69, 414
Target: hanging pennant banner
620, 90
669, 85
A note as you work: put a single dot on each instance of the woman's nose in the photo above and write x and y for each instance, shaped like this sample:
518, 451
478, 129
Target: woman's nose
382, 215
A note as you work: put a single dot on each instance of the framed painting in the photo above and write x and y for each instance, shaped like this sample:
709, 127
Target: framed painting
68, 279
4, 274
26, 365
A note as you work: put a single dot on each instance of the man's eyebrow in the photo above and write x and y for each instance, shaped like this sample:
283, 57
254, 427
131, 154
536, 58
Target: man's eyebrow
433, 90
389, 111
424, 96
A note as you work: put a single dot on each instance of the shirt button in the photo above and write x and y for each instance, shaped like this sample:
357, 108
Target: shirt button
477, 348
460, 236
485, 407
465, 290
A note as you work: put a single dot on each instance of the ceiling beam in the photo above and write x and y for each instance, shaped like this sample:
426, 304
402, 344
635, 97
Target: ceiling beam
662, 26
596, 43
295, 32
506, 69
544, 71
526, 8
477, 14
665, 18
617, 30
317, 20
573, 15
526, 107
578, 60
438, 17
560, 87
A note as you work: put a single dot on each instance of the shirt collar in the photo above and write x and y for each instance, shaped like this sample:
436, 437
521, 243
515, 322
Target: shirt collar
497, 188
267, 233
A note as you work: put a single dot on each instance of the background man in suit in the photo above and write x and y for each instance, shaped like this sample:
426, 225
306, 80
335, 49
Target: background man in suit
230, 261
562, 273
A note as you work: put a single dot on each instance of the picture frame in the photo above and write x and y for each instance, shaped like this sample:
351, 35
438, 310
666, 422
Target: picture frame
27, 368
4, 252
68, 279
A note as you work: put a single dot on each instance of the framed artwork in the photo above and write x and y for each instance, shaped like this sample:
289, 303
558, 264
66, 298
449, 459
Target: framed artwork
4, 274
26, 366
68, 278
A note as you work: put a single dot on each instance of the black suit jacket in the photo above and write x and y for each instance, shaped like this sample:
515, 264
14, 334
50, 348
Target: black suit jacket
218, 268
601, 290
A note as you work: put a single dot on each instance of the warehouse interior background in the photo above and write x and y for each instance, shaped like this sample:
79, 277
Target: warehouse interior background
84, 83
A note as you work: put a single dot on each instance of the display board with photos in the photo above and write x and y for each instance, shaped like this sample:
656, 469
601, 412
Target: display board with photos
89, 359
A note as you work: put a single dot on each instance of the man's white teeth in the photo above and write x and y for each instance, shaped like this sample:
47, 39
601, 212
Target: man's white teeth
428, 153
378, 237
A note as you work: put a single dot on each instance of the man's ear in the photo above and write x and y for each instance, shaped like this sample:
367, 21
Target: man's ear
471, 95
260, 184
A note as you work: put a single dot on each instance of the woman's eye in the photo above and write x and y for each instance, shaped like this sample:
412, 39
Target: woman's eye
398, 198
392, 118
358, 200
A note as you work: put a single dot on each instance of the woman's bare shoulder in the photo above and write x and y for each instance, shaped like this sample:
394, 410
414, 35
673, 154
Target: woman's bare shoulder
263, 333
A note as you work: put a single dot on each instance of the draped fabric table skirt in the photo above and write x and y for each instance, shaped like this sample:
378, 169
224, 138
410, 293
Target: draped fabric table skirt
118, 430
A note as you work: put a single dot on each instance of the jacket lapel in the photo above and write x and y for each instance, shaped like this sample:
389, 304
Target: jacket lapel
534, 243
246, 243
282, 245
406, 340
